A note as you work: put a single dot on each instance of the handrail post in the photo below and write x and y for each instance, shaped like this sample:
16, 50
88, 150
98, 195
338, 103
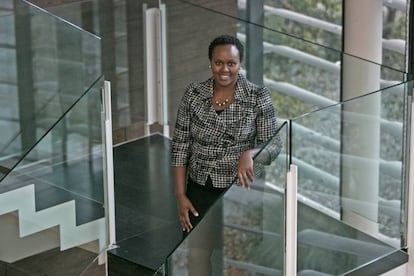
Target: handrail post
108, 164
410, 197
155, 61
290, 267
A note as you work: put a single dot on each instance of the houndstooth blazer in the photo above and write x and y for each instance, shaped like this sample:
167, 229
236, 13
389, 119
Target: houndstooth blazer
210, 143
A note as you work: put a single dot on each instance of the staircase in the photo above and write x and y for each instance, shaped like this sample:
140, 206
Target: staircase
51, 160
33, 225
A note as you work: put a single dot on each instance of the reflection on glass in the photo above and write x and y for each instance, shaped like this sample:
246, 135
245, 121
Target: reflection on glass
51, 167
349, 160
96, 267
321, 23
59, 187
242, 233
70, 154
50, 64
301, 75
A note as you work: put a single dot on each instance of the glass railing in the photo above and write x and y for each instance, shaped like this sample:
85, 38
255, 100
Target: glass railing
318, 23
6, 8
52, 203
95, 267
48, 64
302, 76
349, 199
243, 231
58, 191
350, 160
307, 78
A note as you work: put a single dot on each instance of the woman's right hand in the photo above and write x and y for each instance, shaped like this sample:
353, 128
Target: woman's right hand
184, 207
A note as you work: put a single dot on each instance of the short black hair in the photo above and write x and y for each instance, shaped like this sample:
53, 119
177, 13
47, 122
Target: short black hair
225, 40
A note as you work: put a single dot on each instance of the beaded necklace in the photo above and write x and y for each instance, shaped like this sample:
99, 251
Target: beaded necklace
222, 103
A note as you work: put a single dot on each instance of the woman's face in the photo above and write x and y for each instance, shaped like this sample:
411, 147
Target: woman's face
225, 65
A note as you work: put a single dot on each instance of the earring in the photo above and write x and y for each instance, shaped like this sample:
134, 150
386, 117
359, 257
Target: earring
209, 66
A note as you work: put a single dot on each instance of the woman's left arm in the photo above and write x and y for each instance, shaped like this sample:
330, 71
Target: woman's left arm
266, 127
245, 172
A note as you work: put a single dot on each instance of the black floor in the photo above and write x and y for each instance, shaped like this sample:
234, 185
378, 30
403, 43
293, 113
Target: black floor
71, 262
146, 216
147, 221
148, 230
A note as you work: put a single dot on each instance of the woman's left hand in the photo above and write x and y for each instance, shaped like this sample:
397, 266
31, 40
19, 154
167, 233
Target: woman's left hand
245, 170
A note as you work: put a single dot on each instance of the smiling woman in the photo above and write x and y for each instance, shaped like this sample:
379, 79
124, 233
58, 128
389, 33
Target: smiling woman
221, 123
225, 66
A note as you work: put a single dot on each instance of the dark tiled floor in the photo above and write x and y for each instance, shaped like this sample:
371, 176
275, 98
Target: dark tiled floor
147, 225
54, 262
146, 217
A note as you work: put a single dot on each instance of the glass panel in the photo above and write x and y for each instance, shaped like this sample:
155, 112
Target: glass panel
6, 8
395, 40
321, 22
302, 76
350, 182
58, 191
160, 271
315, 21
120, 24
96, 266
244, 229
50, 64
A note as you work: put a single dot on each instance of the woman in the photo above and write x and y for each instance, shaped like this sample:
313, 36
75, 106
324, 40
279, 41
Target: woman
221, 123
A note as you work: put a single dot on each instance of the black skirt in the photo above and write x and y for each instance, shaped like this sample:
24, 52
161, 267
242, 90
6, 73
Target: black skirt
202, 197
209, 233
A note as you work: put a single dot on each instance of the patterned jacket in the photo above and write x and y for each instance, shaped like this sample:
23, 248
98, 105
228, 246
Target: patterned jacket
210, 143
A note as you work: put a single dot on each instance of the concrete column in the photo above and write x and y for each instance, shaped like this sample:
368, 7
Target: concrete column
361, 134
24, 65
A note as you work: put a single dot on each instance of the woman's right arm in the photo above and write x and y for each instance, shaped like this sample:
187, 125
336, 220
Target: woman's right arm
180, 156
184, 205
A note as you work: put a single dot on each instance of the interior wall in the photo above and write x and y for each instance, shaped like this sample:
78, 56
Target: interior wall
191, 25
190, 29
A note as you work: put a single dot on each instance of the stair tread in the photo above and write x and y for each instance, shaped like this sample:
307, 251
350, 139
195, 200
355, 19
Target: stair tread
53, 187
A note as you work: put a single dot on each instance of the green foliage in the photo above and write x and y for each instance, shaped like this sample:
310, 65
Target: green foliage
316, 42
329, 11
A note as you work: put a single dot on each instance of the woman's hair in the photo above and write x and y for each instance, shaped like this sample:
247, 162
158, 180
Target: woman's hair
225, 40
